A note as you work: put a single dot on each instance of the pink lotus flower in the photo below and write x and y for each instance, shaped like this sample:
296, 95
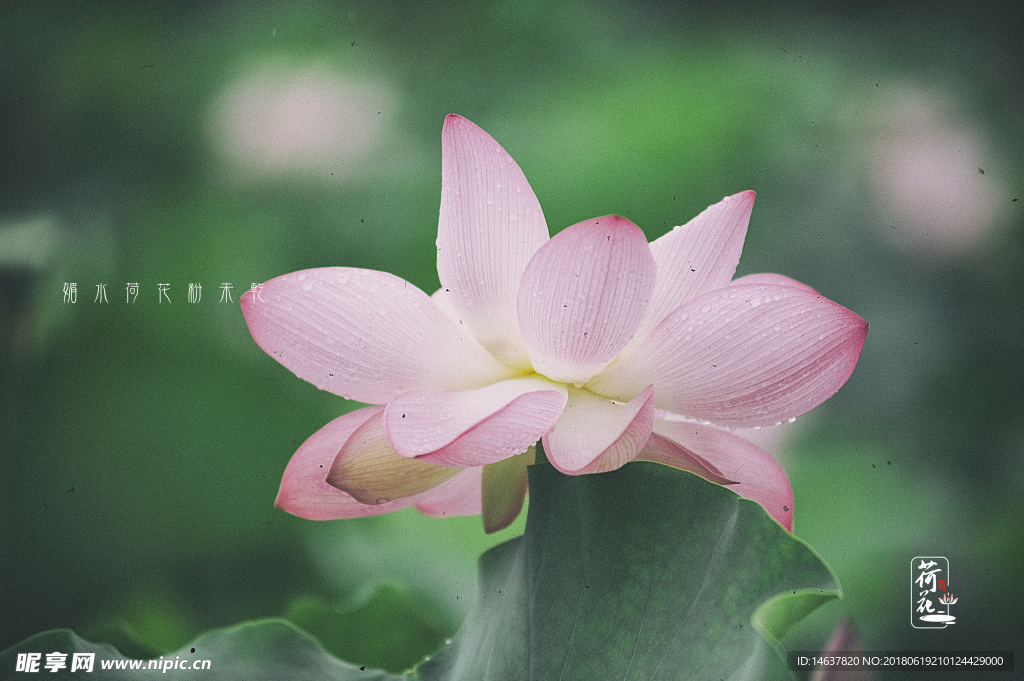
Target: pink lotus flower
605, 347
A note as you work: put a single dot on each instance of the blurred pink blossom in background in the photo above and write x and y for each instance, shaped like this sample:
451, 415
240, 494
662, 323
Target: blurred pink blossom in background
928, 172
310, 120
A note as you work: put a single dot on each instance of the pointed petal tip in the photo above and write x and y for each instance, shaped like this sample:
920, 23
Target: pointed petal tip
746, 197
453, 122
612, 219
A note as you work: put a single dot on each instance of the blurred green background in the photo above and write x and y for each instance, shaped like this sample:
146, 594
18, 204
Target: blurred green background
228, 142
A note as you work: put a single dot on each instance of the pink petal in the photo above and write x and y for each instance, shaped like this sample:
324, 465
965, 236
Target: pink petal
474, 427
596, 435
698, 257
759, 476
304, 490
583, 297
491, 225
660, 449
365, 335
745, 355
458, 496
368, 469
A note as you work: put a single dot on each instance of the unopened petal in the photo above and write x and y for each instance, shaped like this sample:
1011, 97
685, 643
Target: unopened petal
369, 470
745, 355
583, 297
503, 490
596, 434
757, 474
490, 226
365, 335
474, 427
304, 490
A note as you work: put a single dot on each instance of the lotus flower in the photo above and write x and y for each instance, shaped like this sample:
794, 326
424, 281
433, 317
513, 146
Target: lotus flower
947, 599
602, 346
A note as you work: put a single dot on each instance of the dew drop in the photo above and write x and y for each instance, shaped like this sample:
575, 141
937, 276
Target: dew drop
307, 285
